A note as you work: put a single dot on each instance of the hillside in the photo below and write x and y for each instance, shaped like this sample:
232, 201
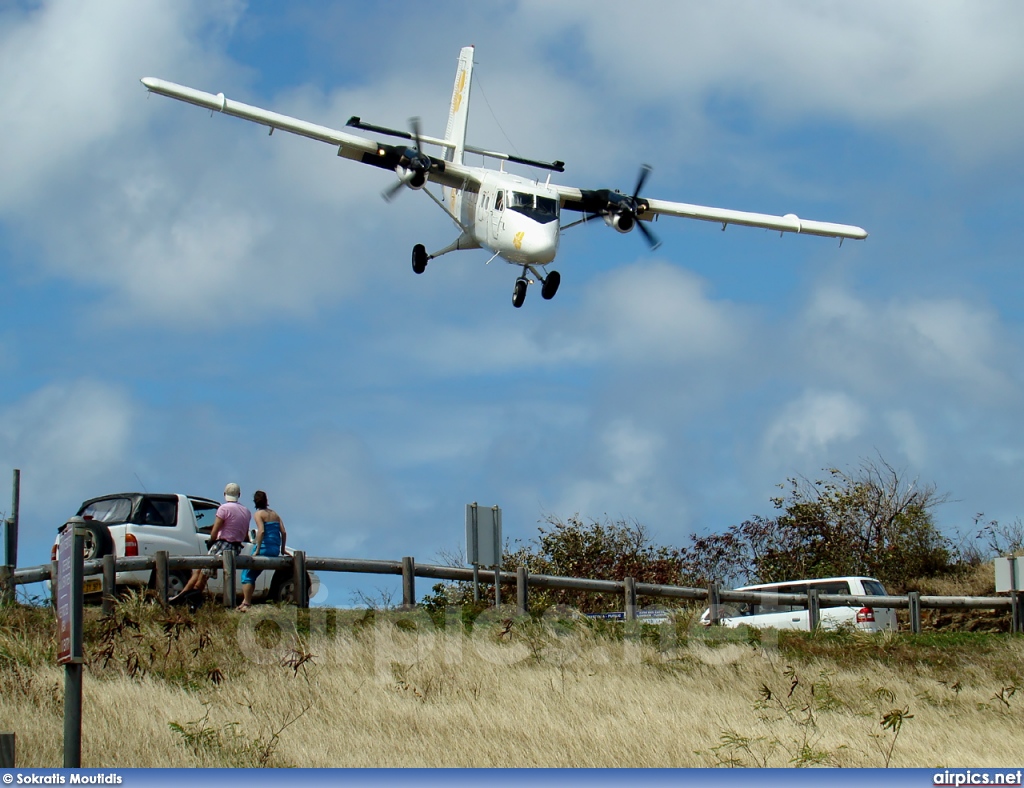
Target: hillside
365, 688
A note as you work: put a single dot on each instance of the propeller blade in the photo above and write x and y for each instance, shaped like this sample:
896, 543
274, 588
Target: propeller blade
414, 124
645, 170
652, 240
390, 193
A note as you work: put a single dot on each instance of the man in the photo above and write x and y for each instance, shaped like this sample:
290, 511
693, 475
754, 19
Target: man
230, 529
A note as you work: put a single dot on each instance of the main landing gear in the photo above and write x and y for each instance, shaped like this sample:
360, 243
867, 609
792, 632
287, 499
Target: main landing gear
549, 285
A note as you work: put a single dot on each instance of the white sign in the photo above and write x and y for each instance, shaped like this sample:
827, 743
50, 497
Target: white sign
1010, 574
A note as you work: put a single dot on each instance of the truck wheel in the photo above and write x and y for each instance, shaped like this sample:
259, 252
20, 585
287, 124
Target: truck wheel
98, 541
283, 588
176, 581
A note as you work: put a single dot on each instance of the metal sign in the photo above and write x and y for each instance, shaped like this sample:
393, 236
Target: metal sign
483, 535
1010, 574
70, 571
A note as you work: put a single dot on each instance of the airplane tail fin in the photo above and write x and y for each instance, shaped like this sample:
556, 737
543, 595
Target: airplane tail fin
458, 114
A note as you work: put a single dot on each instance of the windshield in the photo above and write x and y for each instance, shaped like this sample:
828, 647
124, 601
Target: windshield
540, 209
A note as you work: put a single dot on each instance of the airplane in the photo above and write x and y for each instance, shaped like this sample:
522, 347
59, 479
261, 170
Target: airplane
515, 218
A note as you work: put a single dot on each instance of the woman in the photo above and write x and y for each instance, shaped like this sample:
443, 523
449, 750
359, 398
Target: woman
270, 539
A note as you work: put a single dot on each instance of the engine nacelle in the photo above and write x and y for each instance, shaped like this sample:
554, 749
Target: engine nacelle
622, 222
414, 179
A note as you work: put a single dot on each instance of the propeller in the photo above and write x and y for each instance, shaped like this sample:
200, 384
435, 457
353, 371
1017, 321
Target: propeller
413, 165
622, 212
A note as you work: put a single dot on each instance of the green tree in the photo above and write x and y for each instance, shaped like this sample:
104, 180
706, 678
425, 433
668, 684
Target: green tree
873, 521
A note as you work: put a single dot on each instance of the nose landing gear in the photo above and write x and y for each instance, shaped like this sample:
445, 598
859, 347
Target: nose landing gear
519, 292
549, 285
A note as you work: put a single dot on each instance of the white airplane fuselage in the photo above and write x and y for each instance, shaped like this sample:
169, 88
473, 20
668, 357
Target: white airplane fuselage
513, 217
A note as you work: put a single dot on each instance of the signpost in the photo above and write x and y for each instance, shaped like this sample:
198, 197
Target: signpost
483, 544
70, 574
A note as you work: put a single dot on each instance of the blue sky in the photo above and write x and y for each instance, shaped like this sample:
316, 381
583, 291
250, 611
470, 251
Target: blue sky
187, 301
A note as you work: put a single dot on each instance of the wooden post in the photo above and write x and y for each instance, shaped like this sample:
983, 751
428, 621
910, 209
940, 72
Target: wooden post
11, 548
301, 597
914, 607
161, 576
53, 583
7, 742
813, 609
714, 605
522, 591
6, 585
228, 557
109, 584
629, 589
408, 582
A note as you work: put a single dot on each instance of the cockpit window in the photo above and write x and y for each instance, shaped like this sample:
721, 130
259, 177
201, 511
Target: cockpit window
540, 209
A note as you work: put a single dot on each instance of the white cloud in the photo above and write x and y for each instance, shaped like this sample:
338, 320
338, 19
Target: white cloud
814, 423
66, 68
873, 345
65, 436
956, 67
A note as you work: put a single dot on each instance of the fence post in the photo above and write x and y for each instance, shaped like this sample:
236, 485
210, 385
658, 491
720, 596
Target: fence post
161, 576
914, 608
522, 590
6, 585
109, 584
301, 597
714, 604
7, 742
228, 558
408, 582
629, 588
53, 583
11, 547
813, 609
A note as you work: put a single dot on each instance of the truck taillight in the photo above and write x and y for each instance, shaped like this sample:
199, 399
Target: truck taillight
865, 614
131, 546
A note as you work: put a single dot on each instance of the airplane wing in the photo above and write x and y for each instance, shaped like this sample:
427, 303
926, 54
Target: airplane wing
604, 202
349, 145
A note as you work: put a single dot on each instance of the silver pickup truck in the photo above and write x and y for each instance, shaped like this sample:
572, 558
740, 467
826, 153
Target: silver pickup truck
140, 524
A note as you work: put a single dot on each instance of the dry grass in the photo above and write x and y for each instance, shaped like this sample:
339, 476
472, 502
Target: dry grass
346, 690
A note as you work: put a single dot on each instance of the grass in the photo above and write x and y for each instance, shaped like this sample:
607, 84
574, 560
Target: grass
280, 687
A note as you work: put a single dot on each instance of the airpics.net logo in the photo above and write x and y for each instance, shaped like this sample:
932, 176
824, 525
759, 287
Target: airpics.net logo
971, 777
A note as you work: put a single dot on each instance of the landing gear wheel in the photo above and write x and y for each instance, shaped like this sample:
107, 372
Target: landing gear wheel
419, 258
519, 293
550, 286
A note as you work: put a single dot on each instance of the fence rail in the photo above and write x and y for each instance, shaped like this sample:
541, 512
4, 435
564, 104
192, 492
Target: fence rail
161, 563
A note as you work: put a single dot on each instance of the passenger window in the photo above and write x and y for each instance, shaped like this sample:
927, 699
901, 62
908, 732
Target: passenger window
874, 588
206, 513
834, 587
499, 201
158, 511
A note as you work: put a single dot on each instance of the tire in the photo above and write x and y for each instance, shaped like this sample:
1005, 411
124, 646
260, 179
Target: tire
283, 588
98, 541
519, 293
419, 258
550, 286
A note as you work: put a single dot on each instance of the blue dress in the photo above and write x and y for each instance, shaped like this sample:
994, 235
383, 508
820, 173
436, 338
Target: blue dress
270, 546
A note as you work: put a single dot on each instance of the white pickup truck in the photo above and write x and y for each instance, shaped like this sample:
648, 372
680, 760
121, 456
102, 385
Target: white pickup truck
140, 524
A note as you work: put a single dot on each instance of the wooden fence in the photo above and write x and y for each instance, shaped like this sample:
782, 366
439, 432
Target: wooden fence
629, 590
